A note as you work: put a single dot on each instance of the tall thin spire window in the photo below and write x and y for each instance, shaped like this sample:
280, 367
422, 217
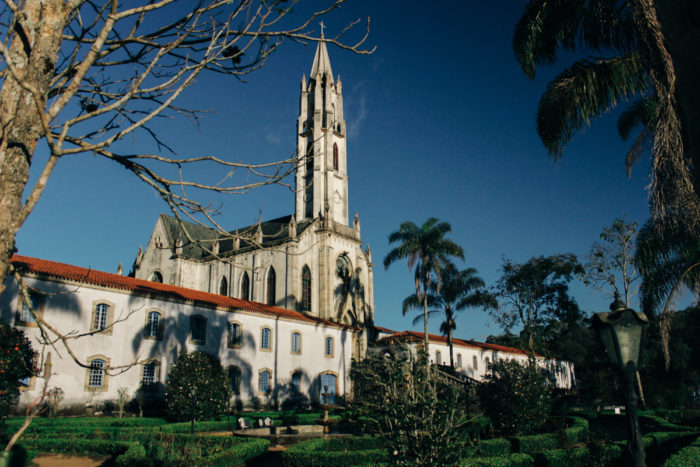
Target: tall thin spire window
245, 287
306, 289
335, 156
271, 286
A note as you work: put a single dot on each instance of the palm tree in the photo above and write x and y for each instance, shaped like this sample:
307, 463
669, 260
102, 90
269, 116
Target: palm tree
460, 290
350, 289
642, 68
427, 249
668, 257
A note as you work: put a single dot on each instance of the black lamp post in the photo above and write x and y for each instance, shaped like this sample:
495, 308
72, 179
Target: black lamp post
621, 332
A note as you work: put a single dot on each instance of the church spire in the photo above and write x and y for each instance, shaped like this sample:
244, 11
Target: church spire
322, 64
321, 180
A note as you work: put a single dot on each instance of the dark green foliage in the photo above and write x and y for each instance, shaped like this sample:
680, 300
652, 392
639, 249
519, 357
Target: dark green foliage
577, 457
686, 457
16, 364
76, 445
535, 293
511, 460
365, 450
672, 388
489, 448
534, 443
517, 398
420, 416
197, 387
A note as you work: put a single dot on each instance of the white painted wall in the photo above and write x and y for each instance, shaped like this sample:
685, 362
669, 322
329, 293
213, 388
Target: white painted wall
69, 306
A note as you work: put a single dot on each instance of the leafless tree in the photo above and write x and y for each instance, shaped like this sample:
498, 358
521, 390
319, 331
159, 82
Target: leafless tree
79, 75
610, 263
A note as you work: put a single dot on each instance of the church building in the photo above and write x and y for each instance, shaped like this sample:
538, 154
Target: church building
310, 261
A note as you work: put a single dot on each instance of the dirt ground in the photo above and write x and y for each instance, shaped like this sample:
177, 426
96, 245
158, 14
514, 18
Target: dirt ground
60, 460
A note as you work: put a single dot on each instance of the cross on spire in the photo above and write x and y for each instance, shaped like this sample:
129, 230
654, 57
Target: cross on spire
322, 26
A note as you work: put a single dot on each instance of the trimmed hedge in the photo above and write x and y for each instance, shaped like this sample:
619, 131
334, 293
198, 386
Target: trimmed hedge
534, 443
363, 450
686, 457
511, 460
77, 445
235, 453
489, 448
577, 457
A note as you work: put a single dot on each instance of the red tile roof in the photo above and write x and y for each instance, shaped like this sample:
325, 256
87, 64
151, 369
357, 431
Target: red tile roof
414, 336
385, 330
25, 264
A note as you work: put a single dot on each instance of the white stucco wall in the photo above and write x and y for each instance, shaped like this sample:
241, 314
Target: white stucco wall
69, 307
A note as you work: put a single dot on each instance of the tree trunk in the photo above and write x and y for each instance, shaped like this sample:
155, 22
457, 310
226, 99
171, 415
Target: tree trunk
449, 344
32, 56
680, 23
425, 323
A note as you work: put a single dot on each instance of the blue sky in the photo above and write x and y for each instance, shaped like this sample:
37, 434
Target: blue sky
440, 124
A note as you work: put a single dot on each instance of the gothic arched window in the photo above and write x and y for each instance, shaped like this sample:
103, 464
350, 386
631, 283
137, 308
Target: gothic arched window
271, 286
306, 289
223, 286
245, 287
335, 157
157, 277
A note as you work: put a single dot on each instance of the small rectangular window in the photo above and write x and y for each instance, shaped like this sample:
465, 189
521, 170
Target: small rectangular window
234, 335
459, 360
265, 339
296, 342
97, 373
198, 330
24, 315
150, 374
264, 381
329, 347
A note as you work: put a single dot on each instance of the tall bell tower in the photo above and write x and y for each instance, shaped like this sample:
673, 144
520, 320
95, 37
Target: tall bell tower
322, 176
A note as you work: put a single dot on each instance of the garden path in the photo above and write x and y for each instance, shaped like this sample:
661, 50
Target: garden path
60, 460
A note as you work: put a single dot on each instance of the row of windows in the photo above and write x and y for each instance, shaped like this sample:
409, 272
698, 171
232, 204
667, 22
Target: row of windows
265, 381
475, 360
235, 338
153, 329
271, 287
150, 375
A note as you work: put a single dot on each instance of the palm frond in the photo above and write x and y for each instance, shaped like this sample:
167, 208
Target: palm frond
642, 113
586, 90
547, 25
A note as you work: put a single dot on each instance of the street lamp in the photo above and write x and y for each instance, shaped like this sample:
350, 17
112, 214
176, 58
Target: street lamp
621, 332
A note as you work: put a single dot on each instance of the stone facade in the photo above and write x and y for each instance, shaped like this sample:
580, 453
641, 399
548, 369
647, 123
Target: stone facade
312, 261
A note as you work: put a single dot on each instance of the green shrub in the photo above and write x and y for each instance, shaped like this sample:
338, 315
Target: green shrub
686, 457
16, 364
577, 457
365, 450
489, 448
134, 456
479, 426
577, 431
197, 387
534, 443
511, 460
79, 445
238, 454
516, 397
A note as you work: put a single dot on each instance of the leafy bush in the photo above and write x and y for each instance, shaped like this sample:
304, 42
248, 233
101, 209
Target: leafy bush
16, 365
686, 457
197, 387
577, 457
517, 398
535, 443
489, 448
511, 460
419, 415
365, 450
77, 445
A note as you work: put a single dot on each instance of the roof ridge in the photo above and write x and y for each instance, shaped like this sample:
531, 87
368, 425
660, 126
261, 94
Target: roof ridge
116, 281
